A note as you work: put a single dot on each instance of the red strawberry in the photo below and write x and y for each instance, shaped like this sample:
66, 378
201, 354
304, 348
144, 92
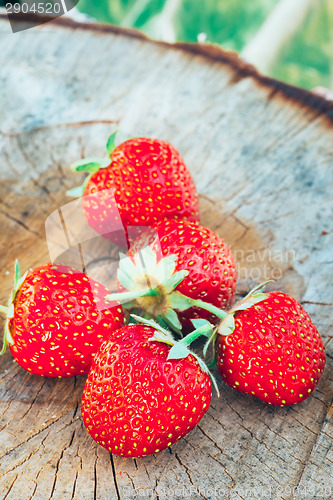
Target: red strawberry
145, 181
181, 256
57, 319
137, 401
274, 351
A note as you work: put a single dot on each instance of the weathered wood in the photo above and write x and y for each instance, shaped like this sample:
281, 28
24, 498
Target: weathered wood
261, 156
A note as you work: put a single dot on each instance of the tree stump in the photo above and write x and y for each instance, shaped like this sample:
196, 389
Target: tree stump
260, 152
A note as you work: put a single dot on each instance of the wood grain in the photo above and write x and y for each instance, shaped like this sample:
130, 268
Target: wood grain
261, 155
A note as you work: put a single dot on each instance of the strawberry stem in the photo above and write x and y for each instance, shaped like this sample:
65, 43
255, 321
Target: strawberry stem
179, 349
182, 302
204, 330
127, 297
210, 308
92, 165
210, 339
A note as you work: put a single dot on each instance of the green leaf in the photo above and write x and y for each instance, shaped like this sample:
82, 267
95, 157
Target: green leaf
178, 351
18, 281
160, 335
18, 273
130, 306
209, 341
7, 339
125, 279
4, 345
198, 322
227, 326
204, 330
10, 311
111, 143
214, 360
256, 289
90, 164
148, 260
209, 307
128, 268
139, 264
76, 192
180, 301
259, 297
174, 280
172, 319
205, 369
165, 268
123, 297
154, 324
165, 324
8, 334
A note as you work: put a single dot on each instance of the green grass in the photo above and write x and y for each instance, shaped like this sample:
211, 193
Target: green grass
305, 62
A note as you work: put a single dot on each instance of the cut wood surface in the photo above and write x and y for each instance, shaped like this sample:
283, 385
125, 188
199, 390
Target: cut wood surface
261, 156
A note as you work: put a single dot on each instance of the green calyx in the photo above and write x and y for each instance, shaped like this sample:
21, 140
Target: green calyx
256, 295
180, 348
9, 310
227, 325
92, 165
151, 288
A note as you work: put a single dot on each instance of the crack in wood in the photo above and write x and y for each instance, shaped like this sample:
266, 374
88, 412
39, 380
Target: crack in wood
36, 484
25, 459
113, 468
309, 452
316, 303
34, 398
132, 482
74, 485
187, 470
20, 223
10, 487
59, 125
221, 451
36, 434
58, 464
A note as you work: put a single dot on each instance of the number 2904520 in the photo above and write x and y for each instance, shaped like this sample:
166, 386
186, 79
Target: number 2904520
34, 7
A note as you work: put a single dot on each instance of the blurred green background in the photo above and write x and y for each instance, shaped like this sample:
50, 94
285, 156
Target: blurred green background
304, 55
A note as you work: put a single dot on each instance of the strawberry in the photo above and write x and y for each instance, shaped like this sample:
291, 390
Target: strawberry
187, 267
141, 397
56, 320
141, 182
272, 349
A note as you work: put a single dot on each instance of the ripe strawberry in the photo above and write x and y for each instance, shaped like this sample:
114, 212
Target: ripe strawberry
274, 351
187, 258
143, 181
138, 399
56, 320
